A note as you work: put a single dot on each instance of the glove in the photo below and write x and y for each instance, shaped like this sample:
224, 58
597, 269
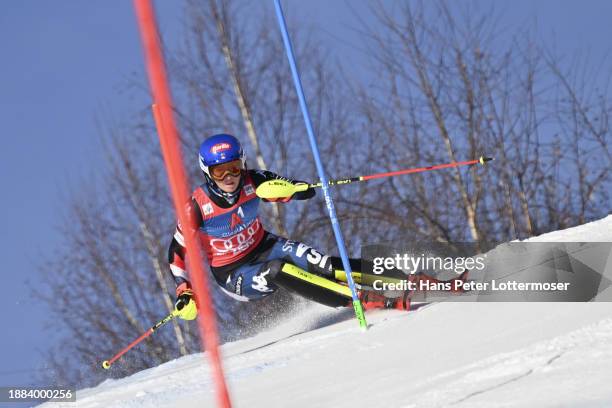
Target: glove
306, 194
292, 196
185, 305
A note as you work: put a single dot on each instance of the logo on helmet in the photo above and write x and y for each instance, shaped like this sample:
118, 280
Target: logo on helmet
219, 147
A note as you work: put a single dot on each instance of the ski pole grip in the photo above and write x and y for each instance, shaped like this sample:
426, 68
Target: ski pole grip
301, 187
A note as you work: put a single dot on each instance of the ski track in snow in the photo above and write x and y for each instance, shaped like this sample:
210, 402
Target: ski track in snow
460, 355
519, 377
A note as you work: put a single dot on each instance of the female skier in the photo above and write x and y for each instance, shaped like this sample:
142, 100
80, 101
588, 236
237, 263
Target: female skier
245, 259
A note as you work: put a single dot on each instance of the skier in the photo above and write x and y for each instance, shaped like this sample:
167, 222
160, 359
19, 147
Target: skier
246, 260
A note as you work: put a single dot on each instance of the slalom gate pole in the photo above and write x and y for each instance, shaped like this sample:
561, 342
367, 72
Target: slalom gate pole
177, 177
107, 363
315, 151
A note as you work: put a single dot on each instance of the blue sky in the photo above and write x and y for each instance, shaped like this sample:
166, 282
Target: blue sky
65, 62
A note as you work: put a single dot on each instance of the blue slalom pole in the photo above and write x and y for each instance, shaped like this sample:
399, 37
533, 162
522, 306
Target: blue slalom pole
315, 151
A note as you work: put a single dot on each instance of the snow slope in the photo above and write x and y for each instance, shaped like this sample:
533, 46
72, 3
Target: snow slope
444, 354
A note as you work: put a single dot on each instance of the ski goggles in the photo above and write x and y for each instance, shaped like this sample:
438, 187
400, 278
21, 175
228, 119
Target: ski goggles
233, 168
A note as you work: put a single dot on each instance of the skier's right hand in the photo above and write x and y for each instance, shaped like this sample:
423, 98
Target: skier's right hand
185, 305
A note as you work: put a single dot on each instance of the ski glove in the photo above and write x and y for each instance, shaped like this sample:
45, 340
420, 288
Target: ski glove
299, 195
185, 304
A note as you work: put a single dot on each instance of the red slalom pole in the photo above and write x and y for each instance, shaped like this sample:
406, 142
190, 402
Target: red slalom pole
170, 146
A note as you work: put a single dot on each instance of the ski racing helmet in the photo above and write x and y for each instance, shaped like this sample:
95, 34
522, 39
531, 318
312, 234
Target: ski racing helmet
219, 149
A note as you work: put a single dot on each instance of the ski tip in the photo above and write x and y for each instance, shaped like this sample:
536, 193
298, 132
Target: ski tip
105, 364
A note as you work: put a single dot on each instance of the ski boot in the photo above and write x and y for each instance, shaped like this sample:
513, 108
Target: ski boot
372, 300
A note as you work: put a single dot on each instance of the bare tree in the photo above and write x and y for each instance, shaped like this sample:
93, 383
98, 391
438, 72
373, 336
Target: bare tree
236, 73
451, 89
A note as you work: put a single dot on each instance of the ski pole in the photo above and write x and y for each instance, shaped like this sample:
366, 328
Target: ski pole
281, 188
107, 363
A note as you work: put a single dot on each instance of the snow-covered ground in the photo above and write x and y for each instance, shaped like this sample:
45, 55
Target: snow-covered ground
442, 355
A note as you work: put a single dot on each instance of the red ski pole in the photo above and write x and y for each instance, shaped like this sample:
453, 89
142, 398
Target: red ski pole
280, 188
107, 363
481, 160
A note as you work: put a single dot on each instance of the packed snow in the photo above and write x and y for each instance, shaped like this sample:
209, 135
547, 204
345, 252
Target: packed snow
441, 355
